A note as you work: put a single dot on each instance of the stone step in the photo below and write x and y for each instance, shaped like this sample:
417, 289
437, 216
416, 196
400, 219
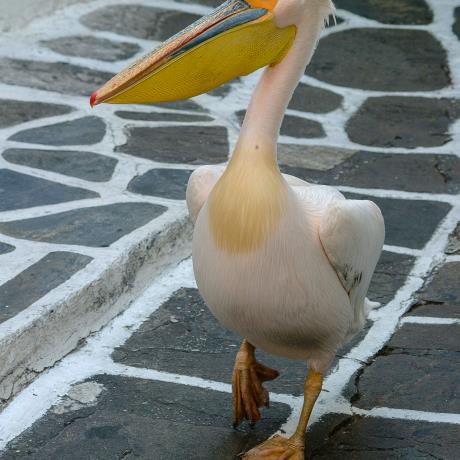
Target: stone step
35, 337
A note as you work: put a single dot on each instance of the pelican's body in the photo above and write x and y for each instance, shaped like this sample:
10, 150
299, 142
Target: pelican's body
284, 295
284, 263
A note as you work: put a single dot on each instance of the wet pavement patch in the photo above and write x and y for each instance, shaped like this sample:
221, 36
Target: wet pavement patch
92, 48
135, 418
83, 131
19, 191
98, 226
294, 126
15, 112
390, 275
6, 248
390, 11
190, 144
338, 437
52, 76
388, 60
165, 183
84, 165
396, 121
138, 21
418, 360
162, 116
441, 294
429, 173
309, 98
39, 279
408, 223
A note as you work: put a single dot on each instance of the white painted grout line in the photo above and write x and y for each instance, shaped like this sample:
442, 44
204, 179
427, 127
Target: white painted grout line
407, 414
429, 320
403, 250
161, 376
401, 194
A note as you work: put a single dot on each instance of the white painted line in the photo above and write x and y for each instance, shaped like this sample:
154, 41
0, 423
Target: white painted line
407, 414
161, 376
403, 250
428, 320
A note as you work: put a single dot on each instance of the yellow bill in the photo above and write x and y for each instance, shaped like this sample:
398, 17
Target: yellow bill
236, 39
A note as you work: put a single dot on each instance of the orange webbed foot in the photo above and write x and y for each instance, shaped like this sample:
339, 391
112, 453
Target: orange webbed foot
248, 392
276, 448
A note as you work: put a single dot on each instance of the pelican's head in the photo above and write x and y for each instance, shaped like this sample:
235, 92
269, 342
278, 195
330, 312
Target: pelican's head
236, 39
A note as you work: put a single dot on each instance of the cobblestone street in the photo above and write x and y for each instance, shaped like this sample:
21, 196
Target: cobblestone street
94, 240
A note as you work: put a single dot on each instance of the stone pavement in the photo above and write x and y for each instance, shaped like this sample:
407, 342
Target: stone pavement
88, 199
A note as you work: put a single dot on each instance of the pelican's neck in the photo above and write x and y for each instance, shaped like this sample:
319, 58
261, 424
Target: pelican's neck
261, 127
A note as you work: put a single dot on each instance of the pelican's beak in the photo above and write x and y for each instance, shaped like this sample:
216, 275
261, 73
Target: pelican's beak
236, 39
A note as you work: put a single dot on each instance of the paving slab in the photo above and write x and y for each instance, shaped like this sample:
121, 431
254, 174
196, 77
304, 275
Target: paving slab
92, 48
135, 418
162, 116
366, 438
84, 165
309, 98
453, 246
195, 145
139, 21
61, 77
456, 25
390, 11
390, 275
418, 360
97, 226
388, 60
409, 223
294, 126
395, 121
440, 297
83, 131
37, 280
181, 105
21, 191
429, 173
305, 160
165, 183
182, 331
15, 112
6, 248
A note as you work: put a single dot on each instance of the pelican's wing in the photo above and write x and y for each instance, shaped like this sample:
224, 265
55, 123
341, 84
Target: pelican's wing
199, 187
352, 233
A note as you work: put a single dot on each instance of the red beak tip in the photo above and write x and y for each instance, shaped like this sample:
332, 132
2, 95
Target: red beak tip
92, 100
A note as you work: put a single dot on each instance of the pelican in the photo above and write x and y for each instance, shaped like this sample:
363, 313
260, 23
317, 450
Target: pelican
284, 263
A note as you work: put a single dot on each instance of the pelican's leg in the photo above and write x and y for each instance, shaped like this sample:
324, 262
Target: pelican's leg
279, 448
247, 389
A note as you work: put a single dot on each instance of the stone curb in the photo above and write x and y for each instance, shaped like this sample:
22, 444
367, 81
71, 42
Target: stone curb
28, 347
